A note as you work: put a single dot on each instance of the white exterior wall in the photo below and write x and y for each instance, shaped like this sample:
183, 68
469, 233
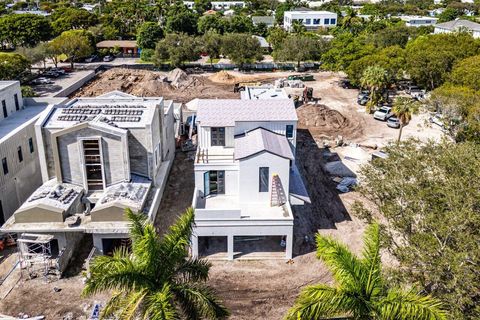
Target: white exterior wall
204, 137
227, 5
7, 94
418, 22
438, 30
249, 176
307, 19
231, 177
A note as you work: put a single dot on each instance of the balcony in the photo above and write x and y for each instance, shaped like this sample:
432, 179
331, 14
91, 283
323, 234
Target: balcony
228, 208
215, 155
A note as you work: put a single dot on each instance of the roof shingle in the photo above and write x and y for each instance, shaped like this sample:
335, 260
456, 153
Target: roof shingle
259, 140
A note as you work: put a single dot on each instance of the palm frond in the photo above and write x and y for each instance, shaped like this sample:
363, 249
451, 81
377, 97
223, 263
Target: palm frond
371, 260
159, 305
146, 250
199, 302
320, 300
408, 305
193, 270
347, 269
113, 304
117, 272
133, 304
177, 239
137, 222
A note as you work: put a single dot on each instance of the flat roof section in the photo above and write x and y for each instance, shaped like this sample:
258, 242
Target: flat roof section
16, 121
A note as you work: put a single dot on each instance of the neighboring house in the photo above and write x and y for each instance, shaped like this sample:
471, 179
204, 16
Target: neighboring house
269, 21
128, 48
312, 20
90, 7
263, 92
189, 4
19, 168
417, 21
263, 44
227, 5
35, 12
245, 177
459, 26
98, 156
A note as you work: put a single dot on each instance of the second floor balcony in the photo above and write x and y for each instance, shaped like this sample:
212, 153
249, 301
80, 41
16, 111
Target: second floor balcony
215, 155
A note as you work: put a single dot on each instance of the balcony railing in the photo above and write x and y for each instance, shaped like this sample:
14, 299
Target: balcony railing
209, 155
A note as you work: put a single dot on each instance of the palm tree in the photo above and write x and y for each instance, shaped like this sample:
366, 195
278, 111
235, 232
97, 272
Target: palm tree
360, 291
374, 78
404, 108
155, 280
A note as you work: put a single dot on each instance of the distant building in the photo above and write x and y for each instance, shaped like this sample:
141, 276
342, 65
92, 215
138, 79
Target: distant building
263, 93
269, 21
19, 168
36, 12
459, 26
312, 20
189, 4
128, 48
417, 21
245, 176
227, 5
97, 156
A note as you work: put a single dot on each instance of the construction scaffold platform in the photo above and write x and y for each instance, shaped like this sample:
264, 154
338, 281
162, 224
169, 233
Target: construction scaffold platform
35, 255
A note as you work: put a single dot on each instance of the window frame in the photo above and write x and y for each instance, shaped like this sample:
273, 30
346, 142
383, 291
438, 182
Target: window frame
289, 131
17, 104
30, 145
5, 166
216, 139
20, 153
4, 108
263, 173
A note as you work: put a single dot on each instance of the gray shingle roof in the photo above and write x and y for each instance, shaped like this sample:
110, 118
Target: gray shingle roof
268, 20
259, 140
225, 112
456, 24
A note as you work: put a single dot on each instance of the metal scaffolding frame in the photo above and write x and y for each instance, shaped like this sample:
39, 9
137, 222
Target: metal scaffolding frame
35, 254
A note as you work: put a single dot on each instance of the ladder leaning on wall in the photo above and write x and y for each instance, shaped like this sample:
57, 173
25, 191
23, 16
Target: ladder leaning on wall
277, 196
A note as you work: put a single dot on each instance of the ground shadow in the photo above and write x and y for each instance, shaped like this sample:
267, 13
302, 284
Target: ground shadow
326, 208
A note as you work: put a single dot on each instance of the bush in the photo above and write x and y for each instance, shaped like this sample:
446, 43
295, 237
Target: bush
147, 55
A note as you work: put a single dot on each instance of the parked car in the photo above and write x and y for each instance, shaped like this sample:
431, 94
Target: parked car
417, 94
59, 71
41, 80
51, 74
108, 58
383, 113
393, 122
409, 88
363, 97
91, 59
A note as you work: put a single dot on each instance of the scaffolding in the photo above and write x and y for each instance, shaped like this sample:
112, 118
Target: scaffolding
35, 254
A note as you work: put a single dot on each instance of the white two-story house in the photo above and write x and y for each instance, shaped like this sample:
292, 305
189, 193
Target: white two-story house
245, 177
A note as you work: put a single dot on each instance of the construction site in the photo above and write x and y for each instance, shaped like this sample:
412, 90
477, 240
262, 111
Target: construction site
334, 138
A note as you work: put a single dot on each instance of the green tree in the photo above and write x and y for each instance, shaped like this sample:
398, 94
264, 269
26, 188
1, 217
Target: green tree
449, 14
239, 24
404, 108
241, 48
211, 22
211, 43
13, 66
360, 291
374, 78
181, 20
276, 36
72, 19
176, 49
74, 44
467, 73
37, 54
202, 5
156, 280
431, 58
300, 48
148, 34
26, 30
344, 49
427, 194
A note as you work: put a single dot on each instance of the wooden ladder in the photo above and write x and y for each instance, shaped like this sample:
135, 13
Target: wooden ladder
277, 196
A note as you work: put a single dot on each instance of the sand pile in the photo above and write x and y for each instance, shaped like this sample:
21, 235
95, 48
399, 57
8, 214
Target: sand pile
313, 116
178, 78
224, 77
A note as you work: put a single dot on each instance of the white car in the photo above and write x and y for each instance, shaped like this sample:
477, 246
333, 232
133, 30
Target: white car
383, 113
108, 58
42, 80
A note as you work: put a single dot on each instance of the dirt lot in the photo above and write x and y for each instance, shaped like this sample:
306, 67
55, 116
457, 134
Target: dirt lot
251, 289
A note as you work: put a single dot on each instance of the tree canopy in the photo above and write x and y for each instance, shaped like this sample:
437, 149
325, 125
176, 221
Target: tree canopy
25, 30
13, 66
148, 34
74, 44
176, 48
241, 48
428, 194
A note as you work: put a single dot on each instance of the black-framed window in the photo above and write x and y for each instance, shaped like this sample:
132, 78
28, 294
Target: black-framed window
4, 107
17, 104
5, 166
20, 154
289, 131
30, 145
263, 179
218, 136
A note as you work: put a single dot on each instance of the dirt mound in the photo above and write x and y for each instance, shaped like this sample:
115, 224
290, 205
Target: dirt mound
224, 77
178, 78
314, 116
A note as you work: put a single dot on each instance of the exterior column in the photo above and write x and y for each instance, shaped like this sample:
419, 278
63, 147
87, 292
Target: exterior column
289, 247
194, 246
230, 247
98, 243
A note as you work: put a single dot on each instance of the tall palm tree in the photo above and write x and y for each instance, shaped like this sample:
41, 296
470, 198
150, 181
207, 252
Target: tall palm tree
155, 280
360, 291
374, 78
404, 108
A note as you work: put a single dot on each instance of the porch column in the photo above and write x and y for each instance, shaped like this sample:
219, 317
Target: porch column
230, 247
194, 246
289, 247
